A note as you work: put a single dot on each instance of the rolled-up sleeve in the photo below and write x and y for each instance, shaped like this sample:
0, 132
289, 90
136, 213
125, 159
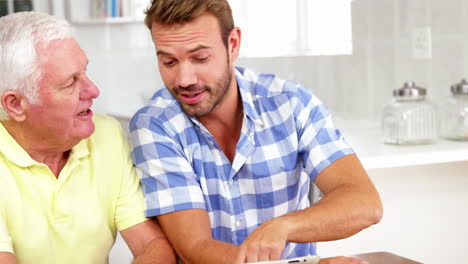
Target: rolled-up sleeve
320, 143
168, 179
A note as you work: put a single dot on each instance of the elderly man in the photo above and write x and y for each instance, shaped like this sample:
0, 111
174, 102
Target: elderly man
67, 181
228, 154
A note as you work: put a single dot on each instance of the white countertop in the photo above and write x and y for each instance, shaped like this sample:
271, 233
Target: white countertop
366, 139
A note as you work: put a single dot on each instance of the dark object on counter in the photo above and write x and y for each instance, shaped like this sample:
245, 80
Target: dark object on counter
3, 8
15, 6
384, 258
22, 5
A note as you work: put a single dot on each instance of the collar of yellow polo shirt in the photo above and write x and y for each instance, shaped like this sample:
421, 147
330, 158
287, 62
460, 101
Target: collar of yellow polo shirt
72, 219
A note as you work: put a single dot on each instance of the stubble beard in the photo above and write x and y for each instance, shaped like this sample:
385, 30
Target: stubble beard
216, 95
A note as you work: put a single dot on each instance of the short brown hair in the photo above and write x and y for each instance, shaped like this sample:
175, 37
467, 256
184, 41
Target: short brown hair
182, 11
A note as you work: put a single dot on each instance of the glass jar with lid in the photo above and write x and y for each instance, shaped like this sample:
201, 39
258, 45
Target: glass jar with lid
409, 118
454, 113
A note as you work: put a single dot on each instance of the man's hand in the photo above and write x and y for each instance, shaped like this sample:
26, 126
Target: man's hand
265, 243
342, 260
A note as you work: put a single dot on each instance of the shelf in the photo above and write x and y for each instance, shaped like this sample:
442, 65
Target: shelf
98, 12
366, 139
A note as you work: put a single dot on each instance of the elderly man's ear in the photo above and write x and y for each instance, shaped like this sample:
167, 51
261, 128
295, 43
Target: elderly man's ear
15, 105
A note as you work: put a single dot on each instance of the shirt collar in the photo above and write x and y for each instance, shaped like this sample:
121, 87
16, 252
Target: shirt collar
12, 150
81, 149
16, 154
246, 88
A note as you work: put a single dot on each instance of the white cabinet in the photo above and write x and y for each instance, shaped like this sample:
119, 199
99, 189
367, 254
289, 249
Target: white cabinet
424, 218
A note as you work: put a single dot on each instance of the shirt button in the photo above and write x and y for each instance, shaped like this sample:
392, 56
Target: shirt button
238, 223
231, 181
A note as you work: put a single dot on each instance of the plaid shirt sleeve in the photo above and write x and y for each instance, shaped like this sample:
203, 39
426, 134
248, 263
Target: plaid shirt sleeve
320, 143
167, 177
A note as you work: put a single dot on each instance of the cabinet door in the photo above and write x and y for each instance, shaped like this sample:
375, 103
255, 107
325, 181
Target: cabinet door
424, 218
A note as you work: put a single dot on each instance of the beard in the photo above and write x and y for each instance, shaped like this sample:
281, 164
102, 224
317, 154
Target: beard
215, 95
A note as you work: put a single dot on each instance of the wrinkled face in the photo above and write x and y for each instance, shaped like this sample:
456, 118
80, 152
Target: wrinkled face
63, 116
194, 63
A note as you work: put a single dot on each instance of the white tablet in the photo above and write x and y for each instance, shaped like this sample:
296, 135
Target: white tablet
299, 260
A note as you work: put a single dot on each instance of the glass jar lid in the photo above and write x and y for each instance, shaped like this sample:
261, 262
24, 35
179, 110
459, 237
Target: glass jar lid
410, 91
460, 88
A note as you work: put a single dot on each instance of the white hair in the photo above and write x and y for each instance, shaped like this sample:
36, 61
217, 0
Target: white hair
19, 35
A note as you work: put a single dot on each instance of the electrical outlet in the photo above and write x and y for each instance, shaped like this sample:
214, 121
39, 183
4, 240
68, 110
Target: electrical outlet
422, 43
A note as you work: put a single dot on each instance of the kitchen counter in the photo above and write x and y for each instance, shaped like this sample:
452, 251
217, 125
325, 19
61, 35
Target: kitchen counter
366, 139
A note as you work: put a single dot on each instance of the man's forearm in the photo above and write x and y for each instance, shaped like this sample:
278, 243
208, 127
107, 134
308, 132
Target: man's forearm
7, 258
206, 252
211, 252
157, 251
350, 204
189, 232
331, 219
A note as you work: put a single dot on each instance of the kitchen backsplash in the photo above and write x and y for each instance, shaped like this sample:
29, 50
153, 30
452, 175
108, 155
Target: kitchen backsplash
123, 64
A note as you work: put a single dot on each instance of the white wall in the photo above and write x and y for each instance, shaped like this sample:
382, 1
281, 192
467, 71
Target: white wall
122, 63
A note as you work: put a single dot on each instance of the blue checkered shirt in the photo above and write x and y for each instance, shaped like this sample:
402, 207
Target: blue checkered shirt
287, 139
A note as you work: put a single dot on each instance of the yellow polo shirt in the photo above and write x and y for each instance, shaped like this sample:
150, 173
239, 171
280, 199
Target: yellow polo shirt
72, 219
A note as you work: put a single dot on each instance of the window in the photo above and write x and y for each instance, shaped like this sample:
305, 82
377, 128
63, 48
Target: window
273, 28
